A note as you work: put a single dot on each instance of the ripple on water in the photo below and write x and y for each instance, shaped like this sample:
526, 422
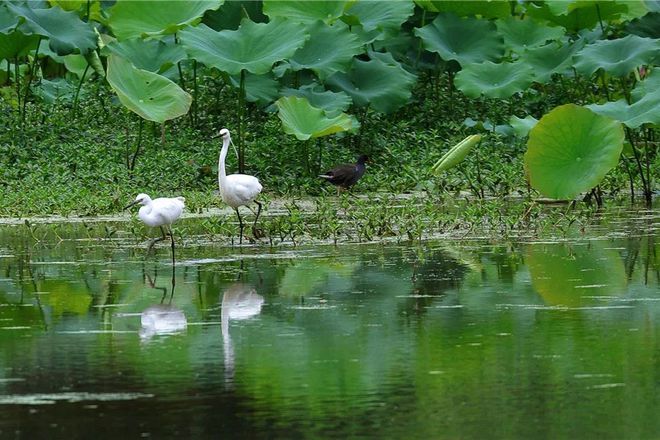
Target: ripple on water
48, 399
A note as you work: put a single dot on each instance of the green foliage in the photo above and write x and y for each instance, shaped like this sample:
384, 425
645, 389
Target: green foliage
456, 154
152, 55
494, 80
304, 11
570, 150
303, 121
522, 34
617, 57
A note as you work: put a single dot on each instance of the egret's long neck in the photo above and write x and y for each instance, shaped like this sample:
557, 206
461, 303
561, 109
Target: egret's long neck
222, 173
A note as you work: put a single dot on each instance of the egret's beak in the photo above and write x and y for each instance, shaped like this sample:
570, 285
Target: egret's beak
132, 204
215, 136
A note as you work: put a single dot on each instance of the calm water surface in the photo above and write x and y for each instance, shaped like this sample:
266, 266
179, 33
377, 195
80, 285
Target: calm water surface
441, 339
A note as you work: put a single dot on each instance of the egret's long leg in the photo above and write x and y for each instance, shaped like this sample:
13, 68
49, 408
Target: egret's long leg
240, 224
156, 240
254, 225
172, 238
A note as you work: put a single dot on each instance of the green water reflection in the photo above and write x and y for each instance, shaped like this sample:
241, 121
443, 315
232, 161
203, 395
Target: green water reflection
468, 339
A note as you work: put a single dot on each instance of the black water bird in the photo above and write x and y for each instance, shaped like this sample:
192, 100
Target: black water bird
346, 175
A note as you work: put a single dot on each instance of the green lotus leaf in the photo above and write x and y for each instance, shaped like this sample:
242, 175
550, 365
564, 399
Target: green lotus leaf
258, 88
331, 102
16, 44
581, 14
485, 9
575, 276
254, 47
617, 57
383, 16
77, 64
329, 49
68, 5
8, 20
551, 58
56, 90
380, 83
230, 14
494, 80
456, 154
646, 26
66, 32
526, 33
303, 121
305, 11
466, 40
135, 19
644, 108
522, 126
570, 150
148, 94
151, 55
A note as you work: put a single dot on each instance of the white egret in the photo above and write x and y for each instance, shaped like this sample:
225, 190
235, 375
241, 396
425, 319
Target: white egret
346, 175
237, 189
159, 212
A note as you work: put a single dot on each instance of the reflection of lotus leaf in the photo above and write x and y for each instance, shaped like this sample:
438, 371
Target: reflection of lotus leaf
575, 275
162, 319
65, 297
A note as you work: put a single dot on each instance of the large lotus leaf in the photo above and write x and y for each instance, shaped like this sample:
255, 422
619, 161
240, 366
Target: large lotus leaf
254, 47
305, 11
66, 32
77, 64
526, 33
329, 49
578, 15
8, 20
16, 44
575, 276
132, 19
230, 14
332, 102
643, 110
570, 150
375, 14
384, 85
486, 9
551, 58
56, 90
303, 121
646, 26
466, 40
258, 88
617, 57
494, 80
148, 94
152, 55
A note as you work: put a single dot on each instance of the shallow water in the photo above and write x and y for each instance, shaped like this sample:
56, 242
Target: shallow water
551, 338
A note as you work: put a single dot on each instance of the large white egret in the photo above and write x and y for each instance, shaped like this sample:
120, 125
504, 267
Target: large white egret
160, 212
237, 189
346, 175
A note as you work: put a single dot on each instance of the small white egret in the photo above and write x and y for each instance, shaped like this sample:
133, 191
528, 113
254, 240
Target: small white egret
159, 212
237, 189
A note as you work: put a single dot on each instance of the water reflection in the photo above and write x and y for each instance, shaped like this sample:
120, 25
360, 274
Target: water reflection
239, 301
162, 319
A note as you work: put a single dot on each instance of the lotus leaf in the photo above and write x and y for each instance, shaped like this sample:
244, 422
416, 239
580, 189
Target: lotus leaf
134, 19
148, 94
578, 15
380, 83
77, 64
8, 20
230, 14
152, 55
617, 57
526, 33
646, 26
305, 11
66, 32
466, 40
303, 121
254, 47
494, 80
383, 16
16, 44
258, 88
456, 154
551, 58
522, 126
56, 90
570, 150
329, 49
332, 103
483, 8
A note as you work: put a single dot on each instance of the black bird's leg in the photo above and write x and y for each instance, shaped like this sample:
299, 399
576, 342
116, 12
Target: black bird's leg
172, 238
240, 225
254, 225
156, 240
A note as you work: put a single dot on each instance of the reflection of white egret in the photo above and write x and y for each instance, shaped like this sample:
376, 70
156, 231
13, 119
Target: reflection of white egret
162, 319
240, 301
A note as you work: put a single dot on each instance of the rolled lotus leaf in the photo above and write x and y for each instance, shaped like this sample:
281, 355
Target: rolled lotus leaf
456, 154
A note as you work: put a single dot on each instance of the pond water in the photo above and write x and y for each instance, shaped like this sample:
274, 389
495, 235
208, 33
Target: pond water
471, 338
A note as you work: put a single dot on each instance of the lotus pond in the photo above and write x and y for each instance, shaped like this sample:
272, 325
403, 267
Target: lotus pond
475, 337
